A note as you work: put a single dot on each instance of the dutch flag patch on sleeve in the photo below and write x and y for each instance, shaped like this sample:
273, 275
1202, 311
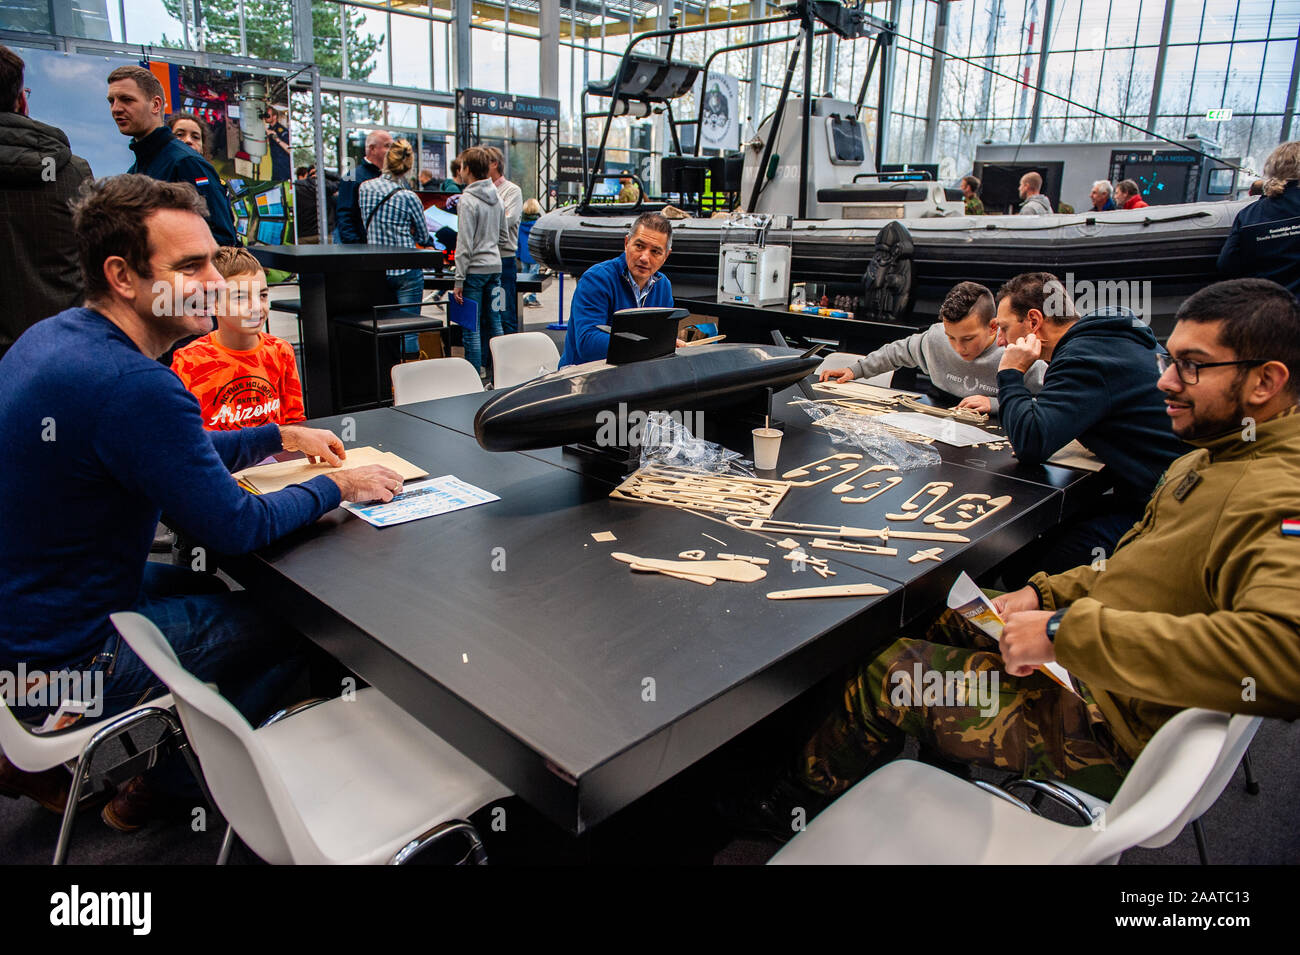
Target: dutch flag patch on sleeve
201, 182
1291, 527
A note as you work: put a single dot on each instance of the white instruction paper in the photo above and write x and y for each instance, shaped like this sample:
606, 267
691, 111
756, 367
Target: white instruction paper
428, 498
969, 601
941, 429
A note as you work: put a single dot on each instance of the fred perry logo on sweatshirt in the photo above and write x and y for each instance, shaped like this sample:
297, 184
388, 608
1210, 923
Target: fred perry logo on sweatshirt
1291, 527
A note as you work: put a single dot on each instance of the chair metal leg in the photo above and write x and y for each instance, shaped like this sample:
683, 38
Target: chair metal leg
226, 845
1201, 849
81, 776
477, 855
1252, 784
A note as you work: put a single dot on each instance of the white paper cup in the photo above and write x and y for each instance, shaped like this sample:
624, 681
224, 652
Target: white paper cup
767, 446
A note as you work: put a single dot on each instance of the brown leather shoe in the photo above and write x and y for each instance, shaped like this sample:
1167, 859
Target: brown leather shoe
49, 788
137, 804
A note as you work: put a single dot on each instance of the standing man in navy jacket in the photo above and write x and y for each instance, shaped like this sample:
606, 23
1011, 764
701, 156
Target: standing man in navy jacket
99, 438
631, 280
1100, 388
136, 99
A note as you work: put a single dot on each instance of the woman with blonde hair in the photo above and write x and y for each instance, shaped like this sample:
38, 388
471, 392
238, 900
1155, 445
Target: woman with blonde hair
1265, 238
391, 214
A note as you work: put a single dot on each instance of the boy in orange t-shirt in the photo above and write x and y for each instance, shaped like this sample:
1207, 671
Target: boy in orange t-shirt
242, 376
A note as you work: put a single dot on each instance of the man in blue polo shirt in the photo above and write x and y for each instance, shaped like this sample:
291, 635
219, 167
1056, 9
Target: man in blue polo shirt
631, 280
98, 440
135, 98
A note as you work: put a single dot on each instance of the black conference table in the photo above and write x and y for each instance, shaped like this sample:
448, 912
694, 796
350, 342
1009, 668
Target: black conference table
580, 684
334, 280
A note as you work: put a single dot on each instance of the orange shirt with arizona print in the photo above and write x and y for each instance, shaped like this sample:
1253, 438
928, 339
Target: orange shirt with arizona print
242, 389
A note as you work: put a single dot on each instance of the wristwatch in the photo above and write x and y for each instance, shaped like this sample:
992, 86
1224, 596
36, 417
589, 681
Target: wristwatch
1054, 623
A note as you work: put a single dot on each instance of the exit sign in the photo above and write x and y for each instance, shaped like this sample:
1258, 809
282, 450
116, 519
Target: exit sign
1218, 115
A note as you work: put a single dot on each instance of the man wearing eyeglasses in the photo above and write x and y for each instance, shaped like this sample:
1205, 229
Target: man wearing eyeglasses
1197, 607
1099, 388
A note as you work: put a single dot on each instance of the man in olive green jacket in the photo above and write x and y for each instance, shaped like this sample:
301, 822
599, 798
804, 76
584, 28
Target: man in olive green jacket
1197, 607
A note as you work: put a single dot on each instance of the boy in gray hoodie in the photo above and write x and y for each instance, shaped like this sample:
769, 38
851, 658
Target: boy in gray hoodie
960, 354
480, 230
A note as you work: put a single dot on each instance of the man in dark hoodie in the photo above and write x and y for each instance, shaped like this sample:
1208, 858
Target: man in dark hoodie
1100, 388
135, 98
40, 175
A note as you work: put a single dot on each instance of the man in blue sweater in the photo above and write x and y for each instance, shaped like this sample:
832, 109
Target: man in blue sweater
631, 280
1100, 388
99, 439
135, 98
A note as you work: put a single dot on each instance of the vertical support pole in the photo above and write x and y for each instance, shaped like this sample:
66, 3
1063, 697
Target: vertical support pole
1042, 72
937, 61
805, 137
1159, 78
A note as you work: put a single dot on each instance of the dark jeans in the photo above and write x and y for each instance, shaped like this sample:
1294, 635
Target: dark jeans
219, 636
484, 289
510, 313
409, 290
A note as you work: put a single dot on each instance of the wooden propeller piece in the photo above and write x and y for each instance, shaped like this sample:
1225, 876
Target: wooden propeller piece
994, 505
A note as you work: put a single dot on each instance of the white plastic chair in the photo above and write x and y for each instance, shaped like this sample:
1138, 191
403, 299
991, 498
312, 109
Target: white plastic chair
35, 752
433, 378
342, 781
1241, 730
912, 813
522, 357
843, 359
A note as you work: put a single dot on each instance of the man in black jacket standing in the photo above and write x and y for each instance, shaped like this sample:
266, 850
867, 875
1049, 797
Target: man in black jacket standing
352, 230
38, 176
1100, 388
136, 99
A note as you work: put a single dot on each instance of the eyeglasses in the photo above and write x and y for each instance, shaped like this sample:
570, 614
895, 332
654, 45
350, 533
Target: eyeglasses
1189, 372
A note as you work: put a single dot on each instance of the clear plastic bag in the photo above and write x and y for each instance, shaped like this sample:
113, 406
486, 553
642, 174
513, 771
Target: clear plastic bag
865, 433
667, 442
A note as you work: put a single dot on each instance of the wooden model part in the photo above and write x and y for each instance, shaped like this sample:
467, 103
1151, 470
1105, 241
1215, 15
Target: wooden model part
964, 415
853, 547
930, 553
769, 526
934, 490
844, 469
722, 494
995, 504
603, 537
823, 571
860, 389
806, 469
691, 555
835, 590
693, 578
787, 543
761, 561
805, 557
703, 341
889, 484
737, 570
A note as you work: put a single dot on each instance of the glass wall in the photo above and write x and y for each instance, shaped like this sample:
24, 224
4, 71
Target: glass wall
1237, 55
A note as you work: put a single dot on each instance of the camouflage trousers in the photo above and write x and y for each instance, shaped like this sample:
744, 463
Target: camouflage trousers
950, 691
